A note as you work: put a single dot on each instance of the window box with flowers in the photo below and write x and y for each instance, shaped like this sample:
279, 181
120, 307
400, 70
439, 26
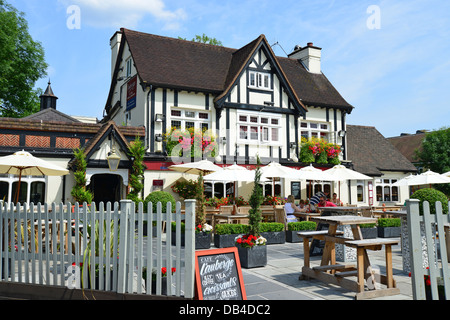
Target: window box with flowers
319, 151
191, 142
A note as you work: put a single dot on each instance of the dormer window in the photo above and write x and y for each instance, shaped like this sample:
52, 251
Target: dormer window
259, 80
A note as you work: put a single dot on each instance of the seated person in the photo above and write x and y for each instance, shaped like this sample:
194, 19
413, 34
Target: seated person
335, 200
290, 208
325, 203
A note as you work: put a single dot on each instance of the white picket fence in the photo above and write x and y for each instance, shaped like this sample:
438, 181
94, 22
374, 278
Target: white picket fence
437, 247
57, 245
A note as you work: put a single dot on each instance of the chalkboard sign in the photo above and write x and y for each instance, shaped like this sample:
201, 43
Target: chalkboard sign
218, 275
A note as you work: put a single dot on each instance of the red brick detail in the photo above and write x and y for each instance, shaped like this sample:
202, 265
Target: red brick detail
37, 141
9, 140
67, 143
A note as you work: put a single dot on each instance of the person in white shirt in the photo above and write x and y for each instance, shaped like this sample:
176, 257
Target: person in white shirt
290, 208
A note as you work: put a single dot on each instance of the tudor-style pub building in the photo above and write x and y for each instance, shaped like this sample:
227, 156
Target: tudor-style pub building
255, 102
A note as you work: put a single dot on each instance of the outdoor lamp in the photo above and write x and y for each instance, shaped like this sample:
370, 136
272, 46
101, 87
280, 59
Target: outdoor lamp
341, 133
159, 117
293, 145
158, 137
113, 159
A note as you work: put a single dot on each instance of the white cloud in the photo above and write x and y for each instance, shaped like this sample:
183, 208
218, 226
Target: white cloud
119, 13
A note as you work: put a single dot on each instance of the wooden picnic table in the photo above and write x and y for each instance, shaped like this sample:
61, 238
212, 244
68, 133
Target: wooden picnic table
388, 214
331, 272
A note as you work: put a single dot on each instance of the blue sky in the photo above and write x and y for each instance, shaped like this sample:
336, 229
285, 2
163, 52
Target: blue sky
389, 59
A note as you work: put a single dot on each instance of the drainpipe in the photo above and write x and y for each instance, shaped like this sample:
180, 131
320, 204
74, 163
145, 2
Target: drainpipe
146, 111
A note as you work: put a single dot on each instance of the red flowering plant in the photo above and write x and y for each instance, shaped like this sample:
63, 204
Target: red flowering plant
217, 202
154, 273
203, 228
273, 201
191, 142
333, 151
249, 241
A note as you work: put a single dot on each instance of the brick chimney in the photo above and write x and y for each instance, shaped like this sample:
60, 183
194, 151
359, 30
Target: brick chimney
309, 56
48, 99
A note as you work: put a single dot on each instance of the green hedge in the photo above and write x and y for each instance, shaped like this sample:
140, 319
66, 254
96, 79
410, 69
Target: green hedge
301, 226
231, 228
389, 222
159, 196
432, 196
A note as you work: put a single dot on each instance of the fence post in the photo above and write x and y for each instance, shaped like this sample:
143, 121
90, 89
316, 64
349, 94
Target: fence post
189, 247
125, 210
415, 249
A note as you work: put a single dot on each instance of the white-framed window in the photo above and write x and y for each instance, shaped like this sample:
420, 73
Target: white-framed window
310, 130
385, 191
184, 119
129, 65
360, 184
32, 189
256, 128
260, 80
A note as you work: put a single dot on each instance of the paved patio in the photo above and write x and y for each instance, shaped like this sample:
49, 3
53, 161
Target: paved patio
278, 280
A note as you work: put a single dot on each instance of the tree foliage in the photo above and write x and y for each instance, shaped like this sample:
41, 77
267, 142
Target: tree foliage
435, 154
22, 64
205, 39
137, 152
255, 201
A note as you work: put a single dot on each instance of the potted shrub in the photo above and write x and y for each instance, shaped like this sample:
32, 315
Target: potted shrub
274, 232
294, 227
252, 247
389, 227
79, 191
225, 234
369, 230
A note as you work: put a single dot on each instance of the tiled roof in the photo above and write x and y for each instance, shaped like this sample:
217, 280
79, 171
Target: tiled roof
371, 153
408, 145
188, 65
51, 115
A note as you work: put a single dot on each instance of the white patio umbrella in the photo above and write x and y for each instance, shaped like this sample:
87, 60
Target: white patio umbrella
23, 163
275, 170
403, 182
446, 174
202, 166
425, 178
341, 173
310, 173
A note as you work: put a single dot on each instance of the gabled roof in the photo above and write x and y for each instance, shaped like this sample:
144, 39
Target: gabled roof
192, 66
371, 153
51, 114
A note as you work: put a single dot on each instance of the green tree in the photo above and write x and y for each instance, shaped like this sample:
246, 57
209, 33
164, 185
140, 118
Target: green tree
137, 152
435, 154
205, 39
255, 201
22, 64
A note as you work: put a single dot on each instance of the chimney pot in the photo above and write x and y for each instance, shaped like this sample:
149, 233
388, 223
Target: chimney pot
310, 44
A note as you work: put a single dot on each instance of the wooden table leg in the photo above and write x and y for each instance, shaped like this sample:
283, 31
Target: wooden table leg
360, 265
306, 252
329, 252
389, 272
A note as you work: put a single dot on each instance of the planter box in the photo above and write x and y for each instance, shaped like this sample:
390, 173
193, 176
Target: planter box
225, 240
369, 233
278, 237
292, 236
388, 232
202, 240
253, 257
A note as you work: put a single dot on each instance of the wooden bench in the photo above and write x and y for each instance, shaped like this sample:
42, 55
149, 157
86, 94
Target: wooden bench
307, 235
364, 269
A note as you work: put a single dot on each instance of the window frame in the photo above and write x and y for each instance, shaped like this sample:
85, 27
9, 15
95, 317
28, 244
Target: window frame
264, 133
258, 80
184, 119
317, 132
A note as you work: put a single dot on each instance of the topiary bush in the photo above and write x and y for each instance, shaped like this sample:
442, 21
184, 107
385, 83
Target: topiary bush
389, 222
271, 227
432, 196
159, 196
231, 228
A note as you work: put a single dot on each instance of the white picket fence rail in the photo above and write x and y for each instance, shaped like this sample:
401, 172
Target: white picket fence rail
53, 244
437, 247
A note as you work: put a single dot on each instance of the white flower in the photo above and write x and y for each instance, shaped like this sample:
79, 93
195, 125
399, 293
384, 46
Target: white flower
261, 241
207, 227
